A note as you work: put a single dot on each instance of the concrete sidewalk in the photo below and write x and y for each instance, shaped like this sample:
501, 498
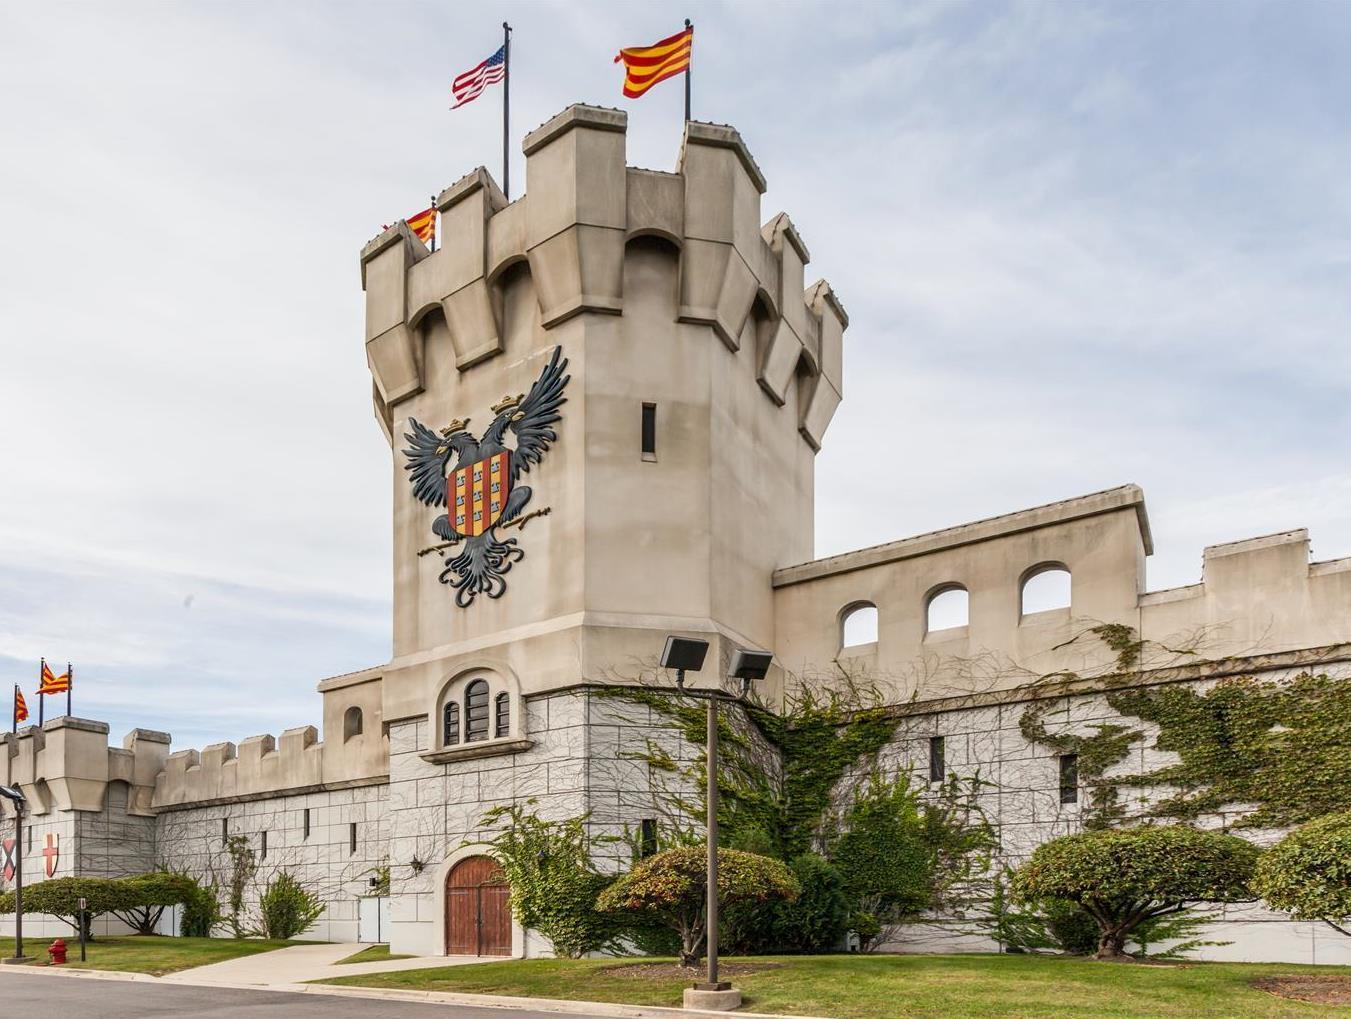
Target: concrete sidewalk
303, 963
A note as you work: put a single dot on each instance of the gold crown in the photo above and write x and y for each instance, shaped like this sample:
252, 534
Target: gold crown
507, 401
458, 425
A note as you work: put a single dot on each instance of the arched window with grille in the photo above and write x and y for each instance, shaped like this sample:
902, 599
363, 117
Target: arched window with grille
503, 722
476, 711
450, 725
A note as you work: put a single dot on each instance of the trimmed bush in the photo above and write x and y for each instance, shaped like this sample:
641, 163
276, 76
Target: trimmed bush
1125, 877
1308, 873
60, 897
671, 887
287, 909
201, 912
151, 895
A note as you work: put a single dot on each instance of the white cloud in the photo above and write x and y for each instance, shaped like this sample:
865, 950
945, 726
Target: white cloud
1080, 244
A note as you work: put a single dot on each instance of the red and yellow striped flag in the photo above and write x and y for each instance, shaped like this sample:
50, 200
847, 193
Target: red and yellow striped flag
644, 66
20, 707
52, 683
423, 224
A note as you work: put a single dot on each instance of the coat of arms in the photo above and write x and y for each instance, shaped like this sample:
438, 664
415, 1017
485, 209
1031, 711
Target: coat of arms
481, 493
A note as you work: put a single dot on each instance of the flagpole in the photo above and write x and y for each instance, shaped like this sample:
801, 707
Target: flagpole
433, 222
14, 713
70, 685
506, 111
42, 700
688, 68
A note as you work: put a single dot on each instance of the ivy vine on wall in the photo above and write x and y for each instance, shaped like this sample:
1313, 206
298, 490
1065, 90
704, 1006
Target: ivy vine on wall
1281, 750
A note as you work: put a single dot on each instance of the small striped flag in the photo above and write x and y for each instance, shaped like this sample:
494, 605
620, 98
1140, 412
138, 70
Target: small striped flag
644, 66
52, 683
423, 224
20, 706
466, 87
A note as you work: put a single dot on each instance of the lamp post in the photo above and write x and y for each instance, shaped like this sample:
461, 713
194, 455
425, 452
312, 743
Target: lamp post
16, 797
681, 654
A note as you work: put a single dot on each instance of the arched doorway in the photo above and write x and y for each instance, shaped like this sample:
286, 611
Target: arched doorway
478, 908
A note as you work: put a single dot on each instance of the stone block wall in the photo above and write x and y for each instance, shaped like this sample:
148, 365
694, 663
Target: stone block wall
324, 861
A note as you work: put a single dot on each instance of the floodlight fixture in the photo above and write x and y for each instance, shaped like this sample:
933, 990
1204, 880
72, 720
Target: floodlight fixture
683, 654
749, 666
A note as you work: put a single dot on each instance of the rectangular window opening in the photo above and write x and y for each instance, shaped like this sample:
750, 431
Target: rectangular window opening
29, 838
262, 847
649, 431
352, 838
305, 823
1069, 778
937, 759
647, 838
225, 829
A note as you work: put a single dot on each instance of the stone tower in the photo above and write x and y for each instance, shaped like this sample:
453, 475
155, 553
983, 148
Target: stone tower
682, 317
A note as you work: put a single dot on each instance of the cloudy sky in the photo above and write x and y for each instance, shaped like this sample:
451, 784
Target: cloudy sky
1080, 244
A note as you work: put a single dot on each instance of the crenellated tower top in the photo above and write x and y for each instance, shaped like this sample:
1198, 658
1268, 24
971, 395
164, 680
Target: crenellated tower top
582, 205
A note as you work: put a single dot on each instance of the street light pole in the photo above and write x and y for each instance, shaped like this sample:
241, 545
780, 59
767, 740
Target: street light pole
16, 797
712, 929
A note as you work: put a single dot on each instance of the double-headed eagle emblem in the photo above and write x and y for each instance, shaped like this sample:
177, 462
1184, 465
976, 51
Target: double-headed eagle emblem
481, 494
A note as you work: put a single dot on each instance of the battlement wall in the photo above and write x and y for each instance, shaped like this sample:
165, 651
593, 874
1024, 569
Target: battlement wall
355, 752
581, 207
66, 764
1258, 596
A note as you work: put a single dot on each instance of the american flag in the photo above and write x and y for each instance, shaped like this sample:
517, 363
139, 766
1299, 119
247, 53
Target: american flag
468, 85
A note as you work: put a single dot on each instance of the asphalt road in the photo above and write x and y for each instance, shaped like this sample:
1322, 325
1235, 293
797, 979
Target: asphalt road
113, 999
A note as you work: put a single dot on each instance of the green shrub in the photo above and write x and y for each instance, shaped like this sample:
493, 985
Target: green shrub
1308, 873
201, 912
882, 854
287, 909
816, 921
1125, 877
670, 888
867, 927
554, 884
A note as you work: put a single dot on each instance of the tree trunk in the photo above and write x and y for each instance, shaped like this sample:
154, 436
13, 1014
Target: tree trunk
1112, 946
691, 948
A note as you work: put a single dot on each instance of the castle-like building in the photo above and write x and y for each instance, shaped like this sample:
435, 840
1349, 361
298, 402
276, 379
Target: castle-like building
604, 401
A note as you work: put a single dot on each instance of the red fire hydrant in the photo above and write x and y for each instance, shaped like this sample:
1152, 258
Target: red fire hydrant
57, 950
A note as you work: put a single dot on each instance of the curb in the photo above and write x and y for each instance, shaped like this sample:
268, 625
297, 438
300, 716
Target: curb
558, 1005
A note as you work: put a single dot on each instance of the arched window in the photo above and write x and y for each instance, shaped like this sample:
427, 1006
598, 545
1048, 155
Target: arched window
476, 711
1045, 587
450, 725
503, 722
351, 723
858, 625
949, 607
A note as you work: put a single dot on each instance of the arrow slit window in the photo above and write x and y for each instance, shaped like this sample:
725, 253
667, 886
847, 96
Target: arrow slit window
649, 431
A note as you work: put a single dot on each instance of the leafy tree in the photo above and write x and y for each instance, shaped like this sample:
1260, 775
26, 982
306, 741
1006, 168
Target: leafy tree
287, 909
1125, 877
60, 897
1308, 873
671, 888
554, 884
151, 895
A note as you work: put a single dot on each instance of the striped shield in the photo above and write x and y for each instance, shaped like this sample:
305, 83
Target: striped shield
480, 494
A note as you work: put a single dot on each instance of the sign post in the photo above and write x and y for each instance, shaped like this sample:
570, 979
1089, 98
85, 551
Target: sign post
84, 906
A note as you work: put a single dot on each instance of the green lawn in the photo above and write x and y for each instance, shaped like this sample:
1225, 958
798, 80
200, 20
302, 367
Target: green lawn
137, 954
372, 953
882, 986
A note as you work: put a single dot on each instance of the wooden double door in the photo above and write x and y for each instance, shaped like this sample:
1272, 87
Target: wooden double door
478, 908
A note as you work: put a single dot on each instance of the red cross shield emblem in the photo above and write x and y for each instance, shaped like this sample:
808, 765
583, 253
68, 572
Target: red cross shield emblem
7, 852
50, 852
479, 494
